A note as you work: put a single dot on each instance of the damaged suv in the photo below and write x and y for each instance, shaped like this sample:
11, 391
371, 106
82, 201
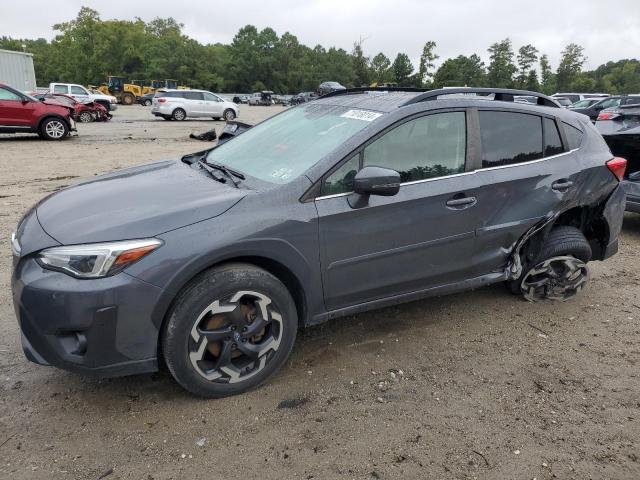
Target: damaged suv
361, 199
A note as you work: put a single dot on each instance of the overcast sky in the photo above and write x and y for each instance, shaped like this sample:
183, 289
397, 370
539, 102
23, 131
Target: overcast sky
609, 30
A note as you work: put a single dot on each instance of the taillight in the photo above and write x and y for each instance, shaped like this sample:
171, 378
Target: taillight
608, 115
162, 100
617, 166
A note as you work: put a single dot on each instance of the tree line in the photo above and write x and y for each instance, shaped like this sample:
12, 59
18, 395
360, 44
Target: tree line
87, 49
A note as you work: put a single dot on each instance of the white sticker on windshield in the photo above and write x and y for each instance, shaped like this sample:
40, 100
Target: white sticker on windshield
282, 173
365, 115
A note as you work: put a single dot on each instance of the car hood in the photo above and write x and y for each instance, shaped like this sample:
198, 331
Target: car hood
50, 101
135, 202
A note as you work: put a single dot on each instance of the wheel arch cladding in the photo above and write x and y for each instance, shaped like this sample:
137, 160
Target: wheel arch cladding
49, 116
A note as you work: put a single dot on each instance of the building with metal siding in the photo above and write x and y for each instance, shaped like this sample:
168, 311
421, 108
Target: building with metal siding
16, 70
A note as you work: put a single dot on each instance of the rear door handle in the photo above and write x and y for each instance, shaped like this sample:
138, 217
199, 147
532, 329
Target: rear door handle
562, 185
460, 203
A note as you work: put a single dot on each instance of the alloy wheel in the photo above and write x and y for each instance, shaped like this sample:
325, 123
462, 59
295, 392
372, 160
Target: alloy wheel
86, 117
233, 339
55, 129
557, 278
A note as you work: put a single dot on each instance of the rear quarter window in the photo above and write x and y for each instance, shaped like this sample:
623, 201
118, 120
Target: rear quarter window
552, 142
574, 135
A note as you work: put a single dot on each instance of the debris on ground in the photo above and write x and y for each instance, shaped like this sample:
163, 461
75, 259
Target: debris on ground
208, 136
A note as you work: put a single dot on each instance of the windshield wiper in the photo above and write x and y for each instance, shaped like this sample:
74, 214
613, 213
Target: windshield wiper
211, 171
230, 173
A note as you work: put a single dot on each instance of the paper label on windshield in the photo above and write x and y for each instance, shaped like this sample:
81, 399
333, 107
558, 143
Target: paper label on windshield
365, 115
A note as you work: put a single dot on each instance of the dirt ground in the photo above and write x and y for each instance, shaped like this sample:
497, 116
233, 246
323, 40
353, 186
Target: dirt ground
476, 385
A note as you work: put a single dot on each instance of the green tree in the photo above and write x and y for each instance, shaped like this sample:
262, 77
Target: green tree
527, 57
426, 63
380, 68
570, 66
547, 77
361, 69
402, 69
501, 66
461, 72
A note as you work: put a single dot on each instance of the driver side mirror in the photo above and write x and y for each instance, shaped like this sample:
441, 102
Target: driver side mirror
373, 181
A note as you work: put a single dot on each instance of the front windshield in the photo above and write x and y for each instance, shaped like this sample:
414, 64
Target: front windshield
285, 146
582, 104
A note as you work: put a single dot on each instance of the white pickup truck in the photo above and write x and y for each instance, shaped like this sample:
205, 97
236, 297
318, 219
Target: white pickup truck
81, 94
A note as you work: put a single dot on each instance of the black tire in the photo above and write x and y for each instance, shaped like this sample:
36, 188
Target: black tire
201, 302
229, 115
563, 241
179, 114
128, 99
53, 129
86, 117
147, 103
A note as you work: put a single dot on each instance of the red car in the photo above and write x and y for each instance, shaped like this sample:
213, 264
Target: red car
22, 113
83, 112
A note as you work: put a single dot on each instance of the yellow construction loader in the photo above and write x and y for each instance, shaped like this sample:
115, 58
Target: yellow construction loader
126, 93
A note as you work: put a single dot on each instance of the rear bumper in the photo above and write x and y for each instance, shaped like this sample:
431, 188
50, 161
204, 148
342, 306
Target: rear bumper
632, 190
614, 213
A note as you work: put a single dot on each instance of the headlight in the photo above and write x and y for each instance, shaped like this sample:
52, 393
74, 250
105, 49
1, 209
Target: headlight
96, 260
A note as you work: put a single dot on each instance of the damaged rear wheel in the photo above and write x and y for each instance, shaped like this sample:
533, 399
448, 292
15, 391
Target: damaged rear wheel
559, 271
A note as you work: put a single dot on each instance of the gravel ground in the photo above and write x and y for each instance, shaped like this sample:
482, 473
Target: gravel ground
474, 385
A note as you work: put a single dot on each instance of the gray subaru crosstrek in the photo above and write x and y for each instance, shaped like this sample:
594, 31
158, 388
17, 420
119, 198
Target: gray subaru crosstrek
360, 199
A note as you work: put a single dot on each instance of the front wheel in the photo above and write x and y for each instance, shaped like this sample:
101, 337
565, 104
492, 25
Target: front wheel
559, 272
86, 117
231, 328
229, 115
147, 103
53, 129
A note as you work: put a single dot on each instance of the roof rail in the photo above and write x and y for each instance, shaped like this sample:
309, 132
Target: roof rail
499, 94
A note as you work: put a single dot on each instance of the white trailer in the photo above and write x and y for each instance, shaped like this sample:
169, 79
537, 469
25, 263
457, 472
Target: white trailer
16, 70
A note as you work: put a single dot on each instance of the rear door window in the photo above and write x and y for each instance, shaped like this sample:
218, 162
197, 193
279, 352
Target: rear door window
509, 138
192, 95
60, 89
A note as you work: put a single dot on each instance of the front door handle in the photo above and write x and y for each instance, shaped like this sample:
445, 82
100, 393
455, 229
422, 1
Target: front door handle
461, 203
562, 185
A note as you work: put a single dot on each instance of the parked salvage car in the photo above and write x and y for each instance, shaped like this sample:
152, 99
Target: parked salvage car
83, 112
620, 127
563, 101
355, 201
180, 104
304, 97
328, 87
264, 98
611, 102
146, 99
22, 113
575, 97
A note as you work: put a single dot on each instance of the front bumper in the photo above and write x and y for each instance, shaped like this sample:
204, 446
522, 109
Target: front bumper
102, 326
